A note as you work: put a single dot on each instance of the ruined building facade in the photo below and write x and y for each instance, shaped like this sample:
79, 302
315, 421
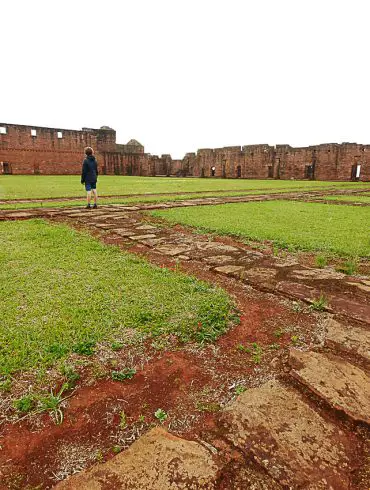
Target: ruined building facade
39, 150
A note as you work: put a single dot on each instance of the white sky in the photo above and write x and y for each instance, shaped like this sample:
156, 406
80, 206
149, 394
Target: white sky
179, 75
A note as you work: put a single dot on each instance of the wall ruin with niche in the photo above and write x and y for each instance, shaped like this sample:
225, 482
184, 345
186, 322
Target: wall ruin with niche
39, 150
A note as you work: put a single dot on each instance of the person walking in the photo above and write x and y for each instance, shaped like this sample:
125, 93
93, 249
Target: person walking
89, 176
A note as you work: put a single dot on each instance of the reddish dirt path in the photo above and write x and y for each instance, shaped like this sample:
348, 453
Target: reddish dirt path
189, 383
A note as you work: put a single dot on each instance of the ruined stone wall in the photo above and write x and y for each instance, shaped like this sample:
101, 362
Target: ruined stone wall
39, 150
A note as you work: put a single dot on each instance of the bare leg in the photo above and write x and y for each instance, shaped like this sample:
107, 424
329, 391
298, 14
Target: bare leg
95, 194
88, 197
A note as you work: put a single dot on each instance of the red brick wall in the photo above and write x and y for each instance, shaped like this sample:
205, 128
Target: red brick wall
45, 153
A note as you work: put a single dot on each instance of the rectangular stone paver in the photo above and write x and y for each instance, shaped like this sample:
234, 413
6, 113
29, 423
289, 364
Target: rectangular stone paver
156, 461
294, 444
122, 231
340, 383
141, 237
230, 270
172, 250
349, 338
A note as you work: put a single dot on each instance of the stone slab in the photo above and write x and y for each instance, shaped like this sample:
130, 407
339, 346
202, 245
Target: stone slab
295, 445
296, 290
172, 250
122, 231
105, 226
341, 384
146, 227
152, 242
21, 215
230, 270
219, 259
351, 339
141, 237
351, 309
260, 275
156, 461
216, 247
316, 274
361, 286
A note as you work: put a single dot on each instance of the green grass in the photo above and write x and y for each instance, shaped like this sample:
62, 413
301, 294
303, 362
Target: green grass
62, 291
44, 186
298, 225
133, 200
357, 198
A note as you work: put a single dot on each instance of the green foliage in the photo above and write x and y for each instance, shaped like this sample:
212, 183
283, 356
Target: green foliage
321, 261
117, 346
292, 225
279, 333
126, 373
49, 309
122, 420
84, 348
116, 449
294, 339
70, 374
349, 267
239, 390
319, 304
24, 404
6, 385
161, 415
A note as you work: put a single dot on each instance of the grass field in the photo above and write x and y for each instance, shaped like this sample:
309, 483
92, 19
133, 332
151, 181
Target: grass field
38, 186
62, 291
144, 199
360, 198
309, 226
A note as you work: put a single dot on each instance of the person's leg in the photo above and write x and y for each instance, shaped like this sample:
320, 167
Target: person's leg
95, 194
88, 194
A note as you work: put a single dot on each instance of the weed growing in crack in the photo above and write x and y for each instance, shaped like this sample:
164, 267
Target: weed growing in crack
294, 339
161, 415
319, 304
116, 449
239, 390
350, 267
279, 333
51, 403
122, 420
321, 261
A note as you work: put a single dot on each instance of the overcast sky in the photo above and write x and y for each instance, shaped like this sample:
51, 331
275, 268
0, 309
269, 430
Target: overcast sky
179, 75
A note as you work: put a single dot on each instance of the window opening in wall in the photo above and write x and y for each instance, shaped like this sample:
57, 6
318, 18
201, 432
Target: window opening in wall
33, 132
270, 170
2, 130
7, 168
238, 171
60, 134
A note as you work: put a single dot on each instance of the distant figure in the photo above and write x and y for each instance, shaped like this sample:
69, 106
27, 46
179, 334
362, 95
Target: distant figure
89, 176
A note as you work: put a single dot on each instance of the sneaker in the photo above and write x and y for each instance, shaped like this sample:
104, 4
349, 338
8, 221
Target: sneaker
88, 206
95, 206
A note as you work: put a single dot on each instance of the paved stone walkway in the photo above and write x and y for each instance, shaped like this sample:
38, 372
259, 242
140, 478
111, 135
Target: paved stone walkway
292, 442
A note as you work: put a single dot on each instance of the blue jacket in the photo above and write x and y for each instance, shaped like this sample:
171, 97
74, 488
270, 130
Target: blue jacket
89, 170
